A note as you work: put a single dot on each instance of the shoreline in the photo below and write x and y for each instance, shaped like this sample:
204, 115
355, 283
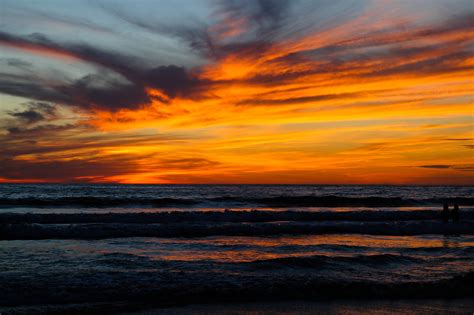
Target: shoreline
404, 306
332, 306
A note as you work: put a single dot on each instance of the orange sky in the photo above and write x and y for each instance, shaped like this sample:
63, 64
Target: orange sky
376, 98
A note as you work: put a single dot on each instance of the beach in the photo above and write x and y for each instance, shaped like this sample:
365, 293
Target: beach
376, 307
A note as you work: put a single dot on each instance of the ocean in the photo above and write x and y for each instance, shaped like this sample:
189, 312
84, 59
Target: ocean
123, 248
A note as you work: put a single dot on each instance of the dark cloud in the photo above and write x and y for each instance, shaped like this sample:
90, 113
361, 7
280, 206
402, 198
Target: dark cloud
188, 163
95, 91
109, 94
43, 141
30, 116
86, 93
441, 64
25, 133
81, 93
266, 22
465, 168
265, 17
14, 62
28, 87
193, 33
298, 100
173, 80
439, 166
385, 47
65, 171
455, 24
390, 38
355, 65
247, 49
52, 138
91, 169
23, 139
461, 167
35, 112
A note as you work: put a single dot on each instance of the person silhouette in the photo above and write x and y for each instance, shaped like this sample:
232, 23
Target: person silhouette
455, 213
445, 213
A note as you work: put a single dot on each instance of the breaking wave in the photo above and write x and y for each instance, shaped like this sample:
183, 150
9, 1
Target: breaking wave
318, 261
119, 230
280, 201
225, 216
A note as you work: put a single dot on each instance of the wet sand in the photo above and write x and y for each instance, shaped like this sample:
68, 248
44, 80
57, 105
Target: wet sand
462, 306
295, 307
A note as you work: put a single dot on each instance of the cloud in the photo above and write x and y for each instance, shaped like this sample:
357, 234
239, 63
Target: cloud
95, 168
457, 30
46, 138
87, 93
44, 153
459, 139
298, 100
265, 24
81, 93
186, 163
460, 167
393, 51
437, 166
65, 171
35, 112
38, 131
173, 80
190, 31
255, 23
262, 17
54, 139
30, 116
339, 86
466, 168
111, 94
441, 64
15, 62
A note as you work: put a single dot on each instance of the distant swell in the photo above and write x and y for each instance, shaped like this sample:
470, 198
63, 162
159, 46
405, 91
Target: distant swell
281, 201
224, 216
94, 202
116, 230
317, 261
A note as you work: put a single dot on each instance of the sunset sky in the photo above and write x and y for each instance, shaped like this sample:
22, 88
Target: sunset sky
194, 91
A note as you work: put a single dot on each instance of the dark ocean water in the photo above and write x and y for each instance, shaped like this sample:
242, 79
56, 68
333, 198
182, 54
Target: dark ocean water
184, 197
93, 247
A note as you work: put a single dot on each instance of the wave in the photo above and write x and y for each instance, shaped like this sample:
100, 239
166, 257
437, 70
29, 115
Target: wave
224, 216
202, 229
276, 202
338, 201
98, 202
318, 261
374, 260
314, 261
